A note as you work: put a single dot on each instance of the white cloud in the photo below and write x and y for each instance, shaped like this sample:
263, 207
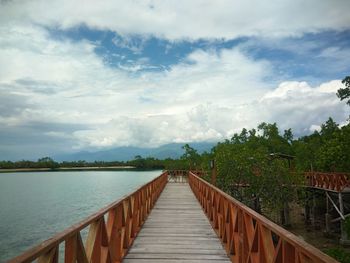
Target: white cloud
66, 82
136, 45
208, 96
186, 19
300, 106
295, 89
315, 128
302, 109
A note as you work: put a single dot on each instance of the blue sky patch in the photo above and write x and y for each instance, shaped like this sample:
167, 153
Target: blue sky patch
312, 57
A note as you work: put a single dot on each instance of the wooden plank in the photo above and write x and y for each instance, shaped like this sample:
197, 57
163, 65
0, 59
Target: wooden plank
178, 256
172, 240
177, 231
193, 245
176, 235
176, 250
162, 260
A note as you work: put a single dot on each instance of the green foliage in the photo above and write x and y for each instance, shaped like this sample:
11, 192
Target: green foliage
174, 164
344, 93
328, 129
146, 163
288, 135
347, 226
191, 157
339, 254
327, 150
245, 160
305, 150
47, 162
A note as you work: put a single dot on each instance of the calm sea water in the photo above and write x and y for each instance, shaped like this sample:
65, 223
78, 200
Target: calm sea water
35, 206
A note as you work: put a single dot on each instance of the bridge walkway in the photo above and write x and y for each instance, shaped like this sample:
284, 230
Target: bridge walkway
177, 230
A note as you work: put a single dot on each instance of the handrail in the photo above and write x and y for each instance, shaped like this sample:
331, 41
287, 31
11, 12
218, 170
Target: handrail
177, 172
328, 181
179, 176
200, 173
248, 236
106, 241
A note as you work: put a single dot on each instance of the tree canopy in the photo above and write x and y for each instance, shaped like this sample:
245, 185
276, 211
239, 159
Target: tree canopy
344, 93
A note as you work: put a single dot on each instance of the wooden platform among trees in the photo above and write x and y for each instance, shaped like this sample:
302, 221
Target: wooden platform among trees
177, 230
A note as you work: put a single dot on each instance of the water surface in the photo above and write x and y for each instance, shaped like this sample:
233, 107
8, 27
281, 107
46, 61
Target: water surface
36, 205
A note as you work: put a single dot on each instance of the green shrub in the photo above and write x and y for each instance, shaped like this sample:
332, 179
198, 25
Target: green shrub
339, 254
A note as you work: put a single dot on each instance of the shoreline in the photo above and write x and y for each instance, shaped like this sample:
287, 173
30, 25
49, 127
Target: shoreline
60, 169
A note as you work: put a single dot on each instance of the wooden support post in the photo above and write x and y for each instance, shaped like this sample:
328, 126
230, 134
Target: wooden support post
307, 209
282, 216
257, 206
327, 218
344, 239
287, 222
314, 209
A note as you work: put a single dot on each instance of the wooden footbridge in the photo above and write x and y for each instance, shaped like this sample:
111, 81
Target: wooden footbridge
177, 217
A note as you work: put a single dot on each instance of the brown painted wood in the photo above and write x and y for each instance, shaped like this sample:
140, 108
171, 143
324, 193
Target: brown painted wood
70, 250
251, 242
49, 257
337, 182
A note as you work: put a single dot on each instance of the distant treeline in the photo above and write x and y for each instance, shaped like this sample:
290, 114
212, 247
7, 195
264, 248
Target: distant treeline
325, 150
138, 162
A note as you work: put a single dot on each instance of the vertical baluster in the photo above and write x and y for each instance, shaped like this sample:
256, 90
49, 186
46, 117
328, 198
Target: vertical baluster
81, 253
74, 250
136, 216
126, 224
50, 257
267, 244
239, 224
116, 236
93, 242
142, 203
105, 254
70, 250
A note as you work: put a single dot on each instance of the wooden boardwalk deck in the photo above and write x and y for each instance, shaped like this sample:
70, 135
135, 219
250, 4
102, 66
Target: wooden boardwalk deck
177, 230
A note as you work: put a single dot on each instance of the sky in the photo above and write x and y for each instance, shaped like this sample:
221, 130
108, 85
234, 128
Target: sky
94, 75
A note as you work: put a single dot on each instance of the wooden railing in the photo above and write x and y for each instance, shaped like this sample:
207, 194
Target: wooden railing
178, 172
107, 240
248, 236
182, 175
329, 181
199, 173
178, 176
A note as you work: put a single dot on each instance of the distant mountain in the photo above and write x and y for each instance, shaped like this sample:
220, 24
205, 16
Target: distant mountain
172, 150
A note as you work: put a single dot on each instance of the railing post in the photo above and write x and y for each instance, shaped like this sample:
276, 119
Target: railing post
251, 237
344, 235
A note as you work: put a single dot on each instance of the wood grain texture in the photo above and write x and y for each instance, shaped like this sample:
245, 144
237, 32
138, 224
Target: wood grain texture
177, 231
